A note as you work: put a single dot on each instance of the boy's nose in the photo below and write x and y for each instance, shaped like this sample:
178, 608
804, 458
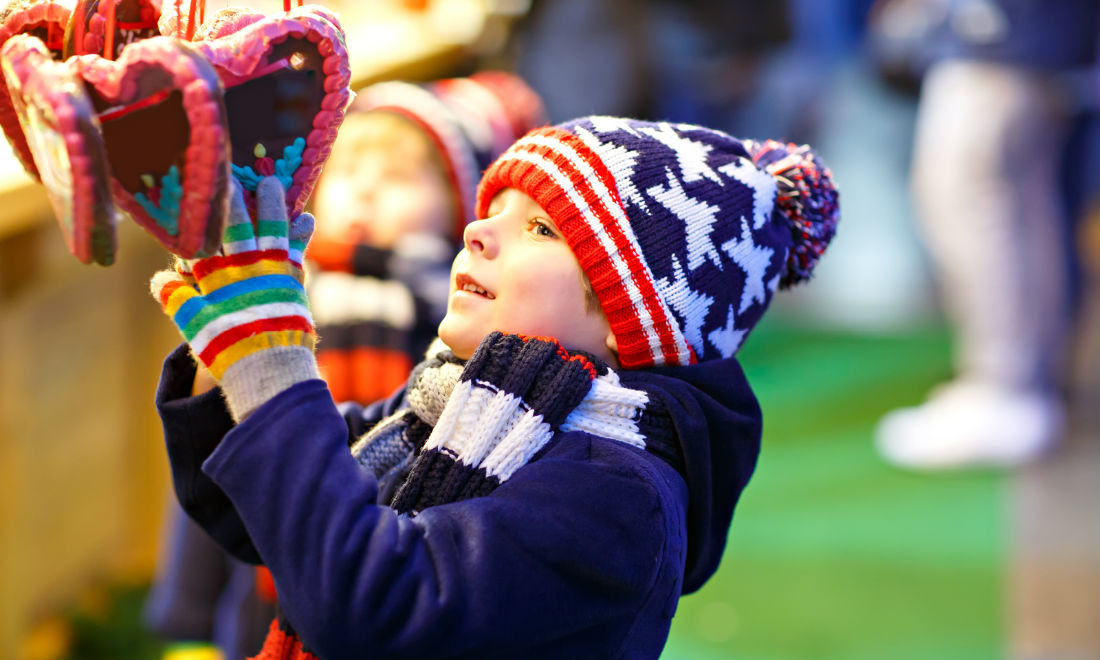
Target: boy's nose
478, 238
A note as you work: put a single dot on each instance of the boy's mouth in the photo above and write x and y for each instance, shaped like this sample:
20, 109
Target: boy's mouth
464, 282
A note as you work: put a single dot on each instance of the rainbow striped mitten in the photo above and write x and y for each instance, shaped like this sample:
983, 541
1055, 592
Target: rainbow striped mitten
244, 312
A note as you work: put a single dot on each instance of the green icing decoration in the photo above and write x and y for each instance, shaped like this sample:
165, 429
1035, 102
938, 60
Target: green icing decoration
284, 167
247, 177
167, 212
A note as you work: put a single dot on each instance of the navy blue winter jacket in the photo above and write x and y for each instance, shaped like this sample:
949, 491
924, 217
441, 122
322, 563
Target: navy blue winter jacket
583, 552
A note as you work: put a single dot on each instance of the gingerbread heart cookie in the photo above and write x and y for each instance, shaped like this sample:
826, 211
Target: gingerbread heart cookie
286, 89
46, 20
163, 124
64, 140
155, 125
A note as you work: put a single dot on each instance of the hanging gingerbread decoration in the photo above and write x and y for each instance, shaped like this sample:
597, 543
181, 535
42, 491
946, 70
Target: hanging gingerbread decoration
149, 110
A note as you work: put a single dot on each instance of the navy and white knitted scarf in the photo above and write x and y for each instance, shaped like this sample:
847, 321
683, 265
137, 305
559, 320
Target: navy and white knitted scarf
470, 425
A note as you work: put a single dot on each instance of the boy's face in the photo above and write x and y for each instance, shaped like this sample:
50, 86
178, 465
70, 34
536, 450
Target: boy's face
516, 274
380, 183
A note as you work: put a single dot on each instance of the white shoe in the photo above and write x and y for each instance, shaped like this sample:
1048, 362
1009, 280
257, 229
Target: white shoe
965, 424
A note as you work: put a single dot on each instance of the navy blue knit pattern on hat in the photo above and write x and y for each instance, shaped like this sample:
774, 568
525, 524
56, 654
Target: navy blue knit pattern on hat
682, 233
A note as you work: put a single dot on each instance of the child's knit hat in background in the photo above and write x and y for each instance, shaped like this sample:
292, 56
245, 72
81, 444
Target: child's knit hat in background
683, 231
470, 120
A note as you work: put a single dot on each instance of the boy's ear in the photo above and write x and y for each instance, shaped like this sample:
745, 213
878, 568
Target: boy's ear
612, 343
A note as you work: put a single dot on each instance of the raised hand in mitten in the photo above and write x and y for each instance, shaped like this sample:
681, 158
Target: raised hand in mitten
244, 312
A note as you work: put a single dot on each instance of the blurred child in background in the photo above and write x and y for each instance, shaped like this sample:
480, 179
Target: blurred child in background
393, 199
396, 194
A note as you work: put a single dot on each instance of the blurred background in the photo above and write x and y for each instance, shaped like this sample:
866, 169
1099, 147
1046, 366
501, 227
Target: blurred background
843, 545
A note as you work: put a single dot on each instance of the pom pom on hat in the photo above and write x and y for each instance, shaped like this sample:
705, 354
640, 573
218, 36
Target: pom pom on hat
807, 200
684, 232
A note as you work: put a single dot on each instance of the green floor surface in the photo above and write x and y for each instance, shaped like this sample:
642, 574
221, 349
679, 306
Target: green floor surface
832, 554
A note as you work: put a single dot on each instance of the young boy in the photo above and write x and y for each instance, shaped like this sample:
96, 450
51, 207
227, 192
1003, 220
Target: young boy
553, 482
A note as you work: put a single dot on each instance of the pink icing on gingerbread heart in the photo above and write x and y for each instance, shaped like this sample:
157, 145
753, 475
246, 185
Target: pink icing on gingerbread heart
162, 120
286, 89
226, 21
46, 20
60, 122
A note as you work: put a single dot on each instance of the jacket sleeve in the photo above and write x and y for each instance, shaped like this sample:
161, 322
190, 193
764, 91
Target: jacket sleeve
193, 428
557, 560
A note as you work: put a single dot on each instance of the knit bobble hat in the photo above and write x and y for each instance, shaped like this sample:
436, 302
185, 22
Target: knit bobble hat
684, 232
470, 120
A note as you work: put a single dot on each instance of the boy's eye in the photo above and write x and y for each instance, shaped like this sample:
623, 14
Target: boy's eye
542, 229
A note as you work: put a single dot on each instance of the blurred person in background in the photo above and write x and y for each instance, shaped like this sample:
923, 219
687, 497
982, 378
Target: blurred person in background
394, 197
1005, 85
693, 61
